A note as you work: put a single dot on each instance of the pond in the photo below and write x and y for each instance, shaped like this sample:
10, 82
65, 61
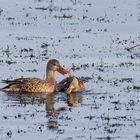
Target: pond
91, 40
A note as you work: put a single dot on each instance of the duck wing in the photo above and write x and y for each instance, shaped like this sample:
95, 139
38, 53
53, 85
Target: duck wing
64, 84
20, 80
17, 84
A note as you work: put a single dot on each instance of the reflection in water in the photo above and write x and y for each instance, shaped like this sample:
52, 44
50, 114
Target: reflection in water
73, 99
25, 99
49, 100
53, 113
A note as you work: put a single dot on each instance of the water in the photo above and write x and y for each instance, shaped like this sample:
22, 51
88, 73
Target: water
93, 36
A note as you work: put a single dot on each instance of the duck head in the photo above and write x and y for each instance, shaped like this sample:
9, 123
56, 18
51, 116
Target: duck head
54, 65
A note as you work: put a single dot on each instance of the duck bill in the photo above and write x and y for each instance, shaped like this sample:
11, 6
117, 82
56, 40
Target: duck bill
63, 71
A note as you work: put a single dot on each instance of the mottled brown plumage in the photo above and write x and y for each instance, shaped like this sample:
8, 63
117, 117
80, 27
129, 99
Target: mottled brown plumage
71, 84
36, 85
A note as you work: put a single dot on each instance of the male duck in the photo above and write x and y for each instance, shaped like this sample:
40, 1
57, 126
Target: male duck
71, 84
36, 85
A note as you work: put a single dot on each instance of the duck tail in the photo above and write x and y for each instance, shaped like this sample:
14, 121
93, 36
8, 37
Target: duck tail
10, 88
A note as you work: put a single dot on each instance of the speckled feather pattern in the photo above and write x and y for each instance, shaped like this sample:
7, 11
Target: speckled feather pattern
71, 85
36, 85
28, 85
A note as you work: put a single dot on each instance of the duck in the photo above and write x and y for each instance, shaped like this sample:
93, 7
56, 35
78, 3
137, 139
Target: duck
36, 85
71, 84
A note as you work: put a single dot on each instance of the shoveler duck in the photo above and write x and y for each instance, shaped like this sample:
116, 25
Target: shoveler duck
71, 84
36, 85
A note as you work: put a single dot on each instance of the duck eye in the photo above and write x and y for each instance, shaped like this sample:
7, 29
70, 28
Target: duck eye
54, 64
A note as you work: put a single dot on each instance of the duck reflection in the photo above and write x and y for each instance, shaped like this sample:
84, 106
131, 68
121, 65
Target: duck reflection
49, 100
53, 113
73, 99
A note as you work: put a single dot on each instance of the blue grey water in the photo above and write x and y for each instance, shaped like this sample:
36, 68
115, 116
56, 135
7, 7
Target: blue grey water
91, 36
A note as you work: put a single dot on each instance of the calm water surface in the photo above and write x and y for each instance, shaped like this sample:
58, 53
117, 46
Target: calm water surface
89, 38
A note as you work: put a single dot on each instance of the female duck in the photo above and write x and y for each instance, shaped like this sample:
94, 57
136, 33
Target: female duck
36, 85
71, 84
